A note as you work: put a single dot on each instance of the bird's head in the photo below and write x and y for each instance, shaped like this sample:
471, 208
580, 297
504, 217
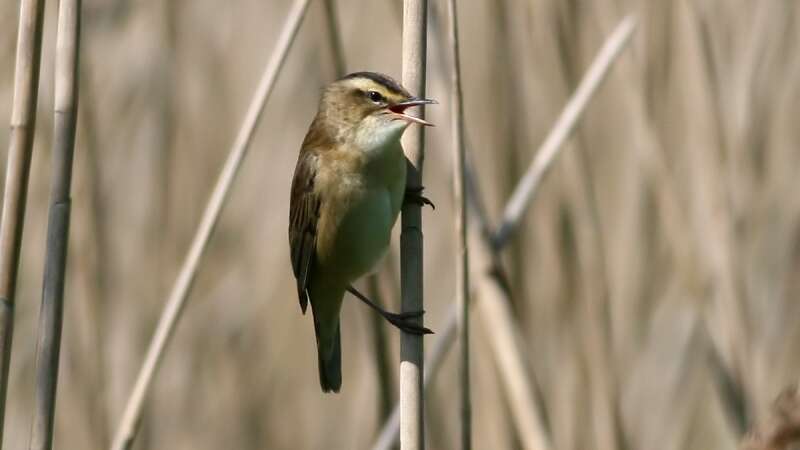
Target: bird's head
369, 108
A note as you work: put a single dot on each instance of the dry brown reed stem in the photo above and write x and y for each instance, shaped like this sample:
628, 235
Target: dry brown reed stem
506, 341
412, 422
177, 299
52, 310
460, 223
23, 124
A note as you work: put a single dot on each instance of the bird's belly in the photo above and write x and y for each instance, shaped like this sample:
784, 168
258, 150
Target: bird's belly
364, 233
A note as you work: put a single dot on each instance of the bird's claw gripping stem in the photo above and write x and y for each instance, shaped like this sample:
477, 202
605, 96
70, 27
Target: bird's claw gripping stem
399, 320
415, 195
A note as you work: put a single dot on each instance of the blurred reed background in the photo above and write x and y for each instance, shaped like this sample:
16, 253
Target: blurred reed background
669, 224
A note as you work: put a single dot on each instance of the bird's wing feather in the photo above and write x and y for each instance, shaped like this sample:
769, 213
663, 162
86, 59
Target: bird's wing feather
304, 207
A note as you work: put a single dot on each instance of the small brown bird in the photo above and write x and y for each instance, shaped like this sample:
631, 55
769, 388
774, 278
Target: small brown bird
348, 188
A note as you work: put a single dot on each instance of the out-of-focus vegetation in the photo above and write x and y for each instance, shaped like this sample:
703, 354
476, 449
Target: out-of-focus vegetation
672, 220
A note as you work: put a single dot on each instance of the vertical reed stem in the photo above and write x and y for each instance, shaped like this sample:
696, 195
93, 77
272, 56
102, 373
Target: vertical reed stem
412, 429
23, 124
51, 315
462, 255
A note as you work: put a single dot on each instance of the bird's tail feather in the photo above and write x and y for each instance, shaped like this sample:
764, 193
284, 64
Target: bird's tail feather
329, 358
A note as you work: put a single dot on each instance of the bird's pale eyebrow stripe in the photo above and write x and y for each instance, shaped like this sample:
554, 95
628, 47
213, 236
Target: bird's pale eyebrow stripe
387, 83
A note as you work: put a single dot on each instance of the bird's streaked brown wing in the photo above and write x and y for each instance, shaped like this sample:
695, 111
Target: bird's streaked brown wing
303, 216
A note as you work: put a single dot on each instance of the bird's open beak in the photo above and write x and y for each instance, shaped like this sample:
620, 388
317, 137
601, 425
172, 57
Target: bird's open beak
400, 108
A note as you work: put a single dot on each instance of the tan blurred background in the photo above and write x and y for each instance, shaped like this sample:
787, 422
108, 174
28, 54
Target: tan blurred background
674, 208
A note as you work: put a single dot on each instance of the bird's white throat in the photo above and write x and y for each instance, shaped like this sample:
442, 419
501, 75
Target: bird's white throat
376, 138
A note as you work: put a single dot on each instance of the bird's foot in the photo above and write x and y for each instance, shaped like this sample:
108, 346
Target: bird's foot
401, 321
415, 195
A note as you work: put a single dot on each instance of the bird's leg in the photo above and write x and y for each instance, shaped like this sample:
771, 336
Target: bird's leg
415, 195
399, 320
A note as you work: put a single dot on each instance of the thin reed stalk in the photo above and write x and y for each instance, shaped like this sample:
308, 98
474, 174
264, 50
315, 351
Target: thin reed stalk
52, 310
23, 125
506, 341
180, 290
412, 427
460, 202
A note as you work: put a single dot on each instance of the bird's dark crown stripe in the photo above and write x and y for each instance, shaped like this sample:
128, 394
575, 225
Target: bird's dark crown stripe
381, 79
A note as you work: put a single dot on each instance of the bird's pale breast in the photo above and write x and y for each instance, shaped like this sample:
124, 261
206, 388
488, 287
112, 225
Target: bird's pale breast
364, 196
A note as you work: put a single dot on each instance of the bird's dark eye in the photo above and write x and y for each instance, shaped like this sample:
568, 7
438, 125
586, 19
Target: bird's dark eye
375, 96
